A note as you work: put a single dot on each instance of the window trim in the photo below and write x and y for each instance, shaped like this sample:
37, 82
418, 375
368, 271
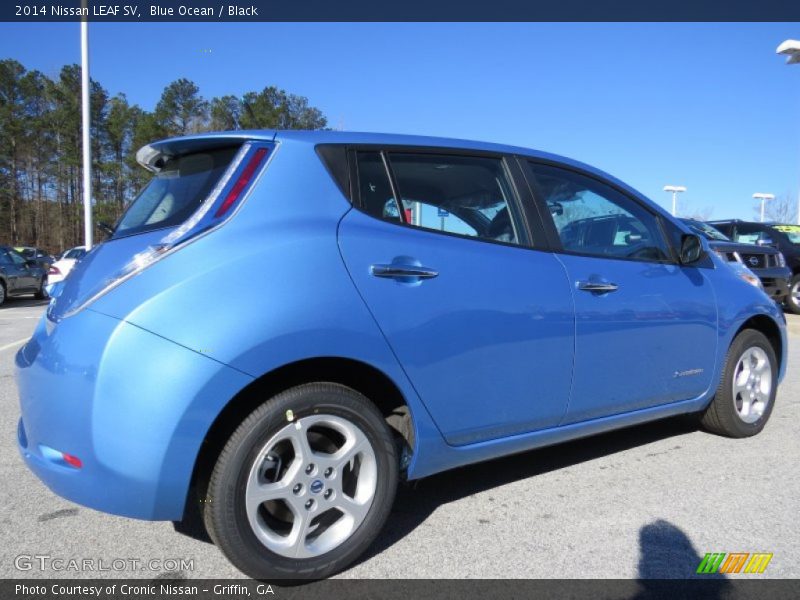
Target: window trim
516, 205
553, 237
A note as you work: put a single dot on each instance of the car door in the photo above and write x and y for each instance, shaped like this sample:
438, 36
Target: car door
10, 271
481, 322
646, 327
25, 278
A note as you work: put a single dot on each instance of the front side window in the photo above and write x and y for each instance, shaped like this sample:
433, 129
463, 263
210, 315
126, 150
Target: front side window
595, 219
465, 195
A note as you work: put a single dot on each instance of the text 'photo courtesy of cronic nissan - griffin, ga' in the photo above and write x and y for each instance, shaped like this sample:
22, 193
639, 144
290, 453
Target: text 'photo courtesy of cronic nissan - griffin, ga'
421, 304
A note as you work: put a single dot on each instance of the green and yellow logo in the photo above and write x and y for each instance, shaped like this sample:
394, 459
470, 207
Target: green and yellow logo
735, 562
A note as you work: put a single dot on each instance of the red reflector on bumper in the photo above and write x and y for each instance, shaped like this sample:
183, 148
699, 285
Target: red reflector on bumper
72, 461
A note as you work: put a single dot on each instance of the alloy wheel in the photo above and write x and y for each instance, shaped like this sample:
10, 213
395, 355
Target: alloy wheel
752, 384
311, 486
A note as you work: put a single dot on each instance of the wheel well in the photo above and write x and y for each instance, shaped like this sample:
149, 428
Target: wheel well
363, 378
770, 329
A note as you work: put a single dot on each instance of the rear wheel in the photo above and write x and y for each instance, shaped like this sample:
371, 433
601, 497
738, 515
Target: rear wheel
2, 293
793, 299
304, 484
746, 394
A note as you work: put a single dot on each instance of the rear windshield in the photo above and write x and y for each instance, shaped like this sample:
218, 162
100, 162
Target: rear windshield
175, 192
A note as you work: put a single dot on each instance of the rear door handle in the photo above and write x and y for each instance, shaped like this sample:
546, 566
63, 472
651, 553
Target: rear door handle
597, 287
403, 271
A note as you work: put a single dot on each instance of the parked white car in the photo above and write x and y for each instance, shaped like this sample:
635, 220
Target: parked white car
61, 268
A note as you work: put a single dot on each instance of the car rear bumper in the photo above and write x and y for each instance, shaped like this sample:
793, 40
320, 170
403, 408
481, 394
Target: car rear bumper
132, 407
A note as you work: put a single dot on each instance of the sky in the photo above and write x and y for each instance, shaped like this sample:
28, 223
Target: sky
707, 106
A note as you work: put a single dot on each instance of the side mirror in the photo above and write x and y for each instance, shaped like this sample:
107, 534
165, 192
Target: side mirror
691, 249
31, 263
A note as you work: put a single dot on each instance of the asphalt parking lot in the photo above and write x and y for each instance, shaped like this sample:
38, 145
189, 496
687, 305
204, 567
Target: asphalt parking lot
644, 502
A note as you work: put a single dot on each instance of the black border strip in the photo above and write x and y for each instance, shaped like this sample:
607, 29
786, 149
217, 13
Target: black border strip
706, 587
406, 11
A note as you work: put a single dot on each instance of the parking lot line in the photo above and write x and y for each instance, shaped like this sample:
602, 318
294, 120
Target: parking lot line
12, 344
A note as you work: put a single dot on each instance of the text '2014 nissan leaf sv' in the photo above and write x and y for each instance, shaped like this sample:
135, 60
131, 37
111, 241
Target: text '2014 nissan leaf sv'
285, 324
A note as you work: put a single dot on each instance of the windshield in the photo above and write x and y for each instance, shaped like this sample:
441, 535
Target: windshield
175, 192
790, 231
706, 230
75, 253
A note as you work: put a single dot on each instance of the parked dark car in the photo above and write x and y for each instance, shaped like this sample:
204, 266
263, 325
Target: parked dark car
783, 236
19, 276
42, 258
766, 262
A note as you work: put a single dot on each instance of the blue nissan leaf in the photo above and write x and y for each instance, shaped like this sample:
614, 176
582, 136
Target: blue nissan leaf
284, 325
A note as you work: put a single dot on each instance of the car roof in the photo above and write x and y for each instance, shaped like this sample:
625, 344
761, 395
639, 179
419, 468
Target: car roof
149, 155
763, 224
177, 145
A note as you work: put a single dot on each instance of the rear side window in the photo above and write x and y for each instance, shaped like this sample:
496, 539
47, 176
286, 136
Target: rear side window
175, 192
375, 190
465, 195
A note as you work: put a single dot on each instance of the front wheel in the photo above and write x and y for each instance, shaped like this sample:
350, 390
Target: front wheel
304, 484
793, 298
746, 394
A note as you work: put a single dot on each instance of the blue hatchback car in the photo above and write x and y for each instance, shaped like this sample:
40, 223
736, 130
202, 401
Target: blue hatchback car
285, 324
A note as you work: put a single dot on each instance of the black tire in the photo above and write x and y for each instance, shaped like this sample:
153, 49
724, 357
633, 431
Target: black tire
721, 416
42, 293
224, 510
792, 301
3, 294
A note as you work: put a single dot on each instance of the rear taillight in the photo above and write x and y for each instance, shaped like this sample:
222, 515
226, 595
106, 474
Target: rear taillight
241, 183
53, 271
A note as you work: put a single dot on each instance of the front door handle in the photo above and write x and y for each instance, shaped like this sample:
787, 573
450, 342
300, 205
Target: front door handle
394, 271
597, 287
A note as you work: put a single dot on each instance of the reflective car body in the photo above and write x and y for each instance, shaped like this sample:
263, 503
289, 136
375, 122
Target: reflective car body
494, 347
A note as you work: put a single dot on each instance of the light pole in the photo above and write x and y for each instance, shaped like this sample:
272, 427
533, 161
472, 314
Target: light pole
87, 144
791, 48
675, 189
763, 198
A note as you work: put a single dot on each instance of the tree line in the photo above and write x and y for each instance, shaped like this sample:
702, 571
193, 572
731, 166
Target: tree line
41, 191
